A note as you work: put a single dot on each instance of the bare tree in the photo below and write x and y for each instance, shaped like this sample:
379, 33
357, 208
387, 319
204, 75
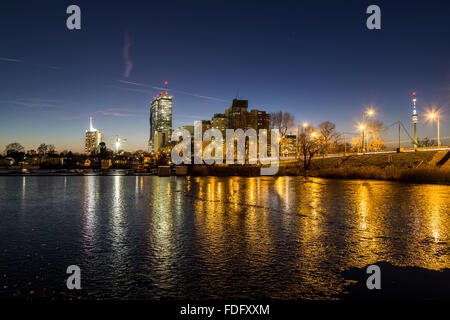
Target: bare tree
329, 136
282, 121
50, 149
42, 149
14, 148
356, 144
376, 129
275, 120
426, 142
308, 147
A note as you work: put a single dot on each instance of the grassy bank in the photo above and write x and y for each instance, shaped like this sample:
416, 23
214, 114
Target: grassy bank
416, 175
416, 167
400, 160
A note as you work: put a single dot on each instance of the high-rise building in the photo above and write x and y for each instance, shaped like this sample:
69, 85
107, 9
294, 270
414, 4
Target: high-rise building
202, 125
237, 114
190, 129
238, 117
93, 139
258, 119
160, 121
289, 145
220, 121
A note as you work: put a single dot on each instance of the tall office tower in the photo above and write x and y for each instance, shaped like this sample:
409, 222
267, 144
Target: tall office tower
160, 121
258, 119
239, 117
237, 114
220, 121
93, 139
202, 126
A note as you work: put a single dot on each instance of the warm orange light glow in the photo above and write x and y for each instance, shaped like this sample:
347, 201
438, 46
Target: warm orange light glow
361, 127
432, 115
305, 125
313, 134
370, 112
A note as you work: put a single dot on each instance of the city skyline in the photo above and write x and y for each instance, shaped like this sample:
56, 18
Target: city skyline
69, 76
224, 158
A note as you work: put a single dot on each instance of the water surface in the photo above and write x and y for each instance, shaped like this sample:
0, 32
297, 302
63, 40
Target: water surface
148, 237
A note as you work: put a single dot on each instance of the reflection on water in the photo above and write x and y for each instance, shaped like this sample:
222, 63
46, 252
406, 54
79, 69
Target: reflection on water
208, 237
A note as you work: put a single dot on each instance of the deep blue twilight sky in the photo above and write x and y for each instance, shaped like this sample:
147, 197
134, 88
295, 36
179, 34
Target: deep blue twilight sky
315, 59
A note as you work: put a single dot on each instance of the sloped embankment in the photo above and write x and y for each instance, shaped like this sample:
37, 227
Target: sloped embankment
417, 167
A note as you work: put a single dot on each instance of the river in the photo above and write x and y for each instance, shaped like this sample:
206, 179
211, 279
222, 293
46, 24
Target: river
148, 237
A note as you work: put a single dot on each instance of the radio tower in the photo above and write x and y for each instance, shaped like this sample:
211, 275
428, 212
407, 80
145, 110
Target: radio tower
415, 118
165, 85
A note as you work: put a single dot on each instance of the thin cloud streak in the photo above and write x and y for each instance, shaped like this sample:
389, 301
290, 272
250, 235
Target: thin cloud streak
32, 64
10, 60
173, 90
140, 85
133, 89
115, 112
34, 103
126, 53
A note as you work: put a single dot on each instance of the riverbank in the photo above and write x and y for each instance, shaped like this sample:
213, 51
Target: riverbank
77, 172
415, 167
414, 175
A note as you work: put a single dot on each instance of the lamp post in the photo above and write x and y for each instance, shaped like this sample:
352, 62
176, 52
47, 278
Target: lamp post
433, 116
305, 126
370, 113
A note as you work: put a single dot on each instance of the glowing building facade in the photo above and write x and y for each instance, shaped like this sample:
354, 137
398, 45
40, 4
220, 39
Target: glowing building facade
92, 139
160, 121
220, 121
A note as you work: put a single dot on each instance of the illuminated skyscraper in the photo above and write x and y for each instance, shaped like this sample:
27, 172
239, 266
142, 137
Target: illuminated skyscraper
220, 121
160, 121
93, 139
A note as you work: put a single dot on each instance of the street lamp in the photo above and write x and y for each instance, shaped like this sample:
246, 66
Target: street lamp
433, 116
305, 126
370, 113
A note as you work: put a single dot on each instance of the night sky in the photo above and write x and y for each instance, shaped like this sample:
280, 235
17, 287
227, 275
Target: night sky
315, 59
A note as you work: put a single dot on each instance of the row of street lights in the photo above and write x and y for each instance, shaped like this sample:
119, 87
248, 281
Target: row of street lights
370, 113
432, 116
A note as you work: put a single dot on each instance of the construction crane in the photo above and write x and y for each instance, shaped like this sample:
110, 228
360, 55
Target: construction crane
118, 143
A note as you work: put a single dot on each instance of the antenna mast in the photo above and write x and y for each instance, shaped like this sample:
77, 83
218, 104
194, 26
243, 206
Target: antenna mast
91, 127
